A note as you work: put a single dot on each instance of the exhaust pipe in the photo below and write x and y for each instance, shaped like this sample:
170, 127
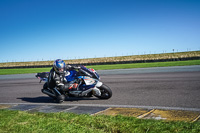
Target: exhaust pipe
86, 92
45, 91
80, 93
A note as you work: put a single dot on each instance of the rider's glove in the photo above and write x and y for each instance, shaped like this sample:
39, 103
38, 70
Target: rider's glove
73, 86
75, 67
71, 67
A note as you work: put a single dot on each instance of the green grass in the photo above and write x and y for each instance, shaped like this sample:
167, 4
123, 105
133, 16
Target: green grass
23, 70
105, 67
145, 65
24, 122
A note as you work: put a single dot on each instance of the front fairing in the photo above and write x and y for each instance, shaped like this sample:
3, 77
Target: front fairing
88, 82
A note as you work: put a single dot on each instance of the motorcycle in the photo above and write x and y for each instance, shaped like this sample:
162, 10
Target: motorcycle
88, 81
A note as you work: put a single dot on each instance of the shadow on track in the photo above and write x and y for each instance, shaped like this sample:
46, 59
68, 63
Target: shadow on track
43, 99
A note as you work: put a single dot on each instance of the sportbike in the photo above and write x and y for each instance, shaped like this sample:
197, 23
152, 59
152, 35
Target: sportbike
88, 81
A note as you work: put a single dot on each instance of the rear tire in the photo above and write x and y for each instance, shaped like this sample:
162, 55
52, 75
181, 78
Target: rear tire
106, 92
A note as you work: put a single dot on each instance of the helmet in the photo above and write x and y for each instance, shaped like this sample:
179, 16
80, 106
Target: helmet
59, 66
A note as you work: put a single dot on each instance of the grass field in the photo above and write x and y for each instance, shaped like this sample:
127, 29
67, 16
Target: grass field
105, 67
145, 65
24, 122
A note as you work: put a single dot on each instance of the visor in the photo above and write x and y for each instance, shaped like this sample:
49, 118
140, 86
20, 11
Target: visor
60, 69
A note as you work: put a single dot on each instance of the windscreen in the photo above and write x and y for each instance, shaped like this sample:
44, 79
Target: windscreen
89, 72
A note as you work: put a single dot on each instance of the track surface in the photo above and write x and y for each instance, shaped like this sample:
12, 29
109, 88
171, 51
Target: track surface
177, 87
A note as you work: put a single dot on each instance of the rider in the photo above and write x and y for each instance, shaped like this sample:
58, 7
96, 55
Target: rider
57, 79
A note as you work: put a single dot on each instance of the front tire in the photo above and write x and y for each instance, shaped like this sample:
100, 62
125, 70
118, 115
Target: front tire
106, 92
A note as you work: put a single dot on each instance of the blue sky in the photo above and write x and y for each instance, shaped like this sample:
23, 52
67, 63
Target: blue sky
32, 30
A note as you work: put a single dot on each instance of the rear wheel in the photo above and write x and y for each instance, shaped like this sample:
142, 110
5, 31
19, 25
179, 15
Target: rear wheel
106, 92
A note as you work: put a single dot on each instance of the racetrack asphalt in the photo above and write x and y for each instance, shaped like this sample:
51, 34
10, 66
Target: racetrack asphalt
149, 90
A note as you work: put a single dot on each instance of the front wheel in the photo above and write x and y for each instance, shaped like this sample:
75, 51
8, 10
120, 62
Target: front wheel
106, 92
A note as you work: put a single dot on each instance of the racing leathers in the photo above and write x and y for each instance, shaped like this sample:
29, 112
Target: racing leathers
58, 80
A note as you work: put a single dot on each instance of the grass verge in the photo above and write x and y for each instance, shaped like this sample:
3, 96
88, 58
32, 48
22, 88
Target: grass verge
145, 65
21, 122
23, 70
105, 67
